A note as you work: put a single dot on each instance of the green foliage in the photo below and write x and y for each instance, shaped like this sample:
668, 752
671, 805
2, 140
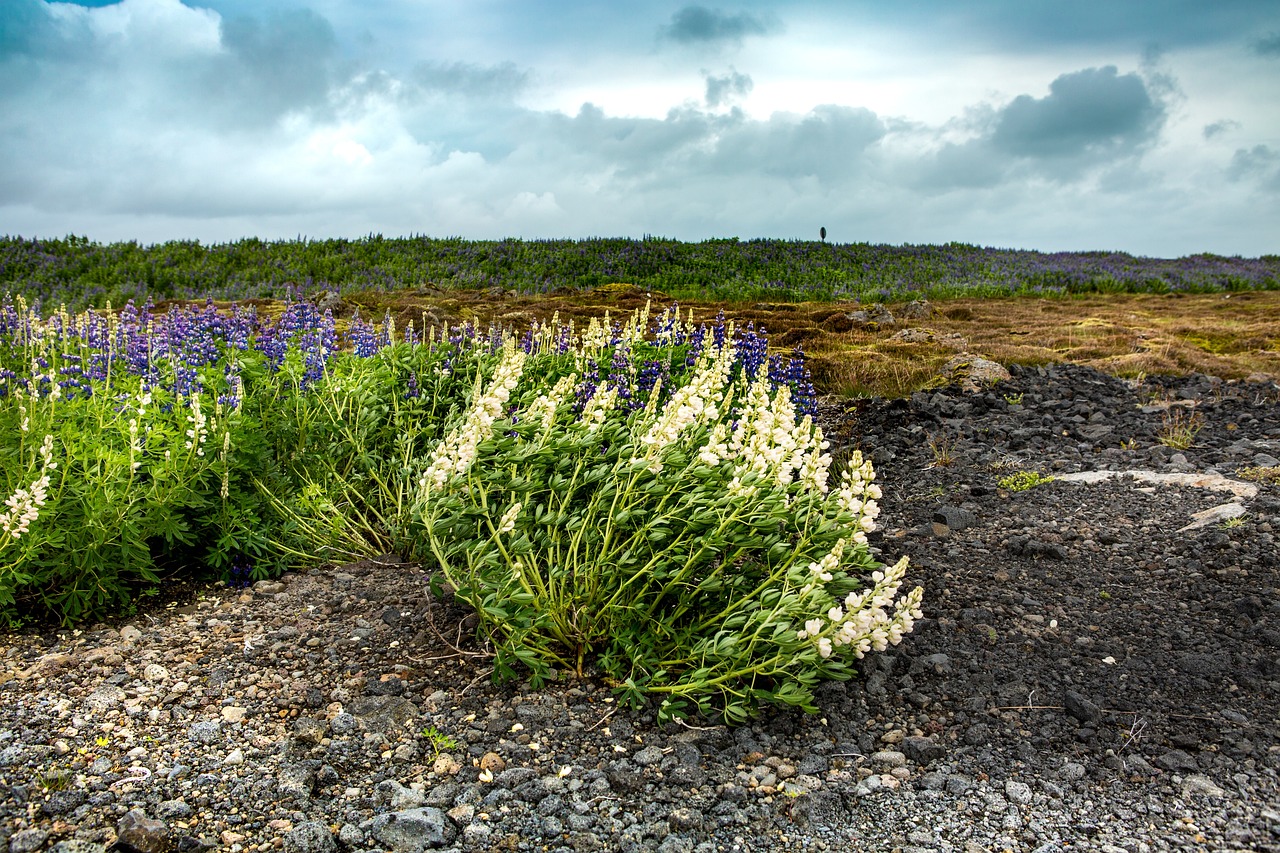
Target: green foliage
55, 780
1179, 427
678, 536
1023, 480
81, 273
683, 559
117, 511
1260, 474
439, 740
942, 449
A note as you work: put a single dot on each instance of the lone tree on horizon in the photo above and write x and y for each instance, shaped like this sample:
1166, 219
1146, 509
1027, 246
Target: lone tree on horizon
822, 232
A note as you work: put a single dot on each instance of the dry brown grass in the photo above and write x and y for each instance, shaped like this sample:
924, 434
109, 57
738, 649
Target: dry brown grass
1229, 335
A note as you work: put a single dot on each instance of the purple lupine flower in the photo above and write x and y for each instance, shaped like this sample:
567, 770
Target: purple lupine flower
384, 331
718, 330
648, 377
529, 339
751, 351
587, 386
794, 373
620, 369
364, 342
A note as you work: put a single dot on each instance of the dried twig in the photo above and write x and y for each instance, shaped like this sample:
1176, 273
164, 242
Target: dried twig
602, 719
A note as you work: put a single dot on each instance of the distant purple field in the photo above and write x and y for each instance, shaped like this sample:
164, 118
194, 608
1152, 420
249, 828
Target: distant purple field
82, 274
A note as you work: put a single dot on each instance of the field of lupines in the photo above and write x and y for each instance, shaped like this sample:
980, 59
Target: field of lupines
647, 498
80, 273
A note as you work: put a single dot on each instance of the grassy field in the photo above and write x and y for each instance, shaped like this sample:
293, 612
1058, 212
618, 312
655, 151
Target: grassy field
1232, 335
81, 273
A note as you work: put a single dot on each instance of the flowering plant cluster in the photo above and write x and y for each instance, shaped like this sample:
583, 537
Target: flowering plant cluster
693, 549
648, 498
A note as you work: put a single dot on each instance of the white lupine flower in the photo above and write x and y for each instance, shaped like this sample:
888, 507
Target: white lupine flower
456, 451
738, 489
823, 569
596, 335
598, 408
226, 469
636, 325
835, 614
135, 445
697, 402
715, 448
198, 431
508, 522
543, 410
24, 504
812, 628
815, 464
824, 647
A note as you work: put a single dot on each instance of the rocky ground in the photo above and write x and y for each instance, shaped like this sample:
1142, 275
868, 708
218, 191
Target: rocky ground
1099, 670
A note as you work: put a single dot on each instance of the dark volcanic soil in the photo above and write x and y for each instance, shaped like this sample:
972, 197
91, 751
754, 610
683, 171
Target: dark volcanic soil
1092, 673
1084, 620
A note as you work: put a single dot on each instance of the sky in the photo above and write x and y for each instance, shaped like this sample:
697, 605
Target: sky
1110, 125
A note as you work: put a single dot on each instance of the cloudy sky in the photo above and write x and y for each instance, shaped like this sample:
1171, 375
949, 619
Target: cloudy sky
1151, 128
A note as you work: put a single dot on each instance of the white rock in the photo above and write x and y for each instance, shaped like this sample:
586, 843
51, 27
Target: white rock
234, 713
1200, 785
104, 697
1214, 482
236, 756
1214, 515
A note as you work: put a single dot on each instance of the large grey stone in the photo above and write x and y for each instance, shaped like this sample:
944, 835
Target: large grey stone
384, 714
1080, 707
923, 750
205, 731
954, 517
412, 830
27, 841
310, 837
143, 833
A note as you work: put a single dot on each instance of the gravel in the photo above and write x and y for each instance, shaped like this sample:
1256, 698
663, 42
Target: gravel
1095, 671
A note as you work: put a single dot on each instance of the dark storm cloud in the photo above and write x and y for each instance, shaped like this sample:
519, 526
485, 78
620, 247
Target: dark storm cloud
1268, 46
701, 25
22, 26
1096, 108
1090, 118
723, 90
830, 143
28, 30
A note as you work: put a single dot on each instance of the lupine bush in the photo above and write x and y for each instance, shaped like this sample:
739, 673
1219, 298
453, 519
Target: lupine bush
648, 499
691, 549
141, 456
